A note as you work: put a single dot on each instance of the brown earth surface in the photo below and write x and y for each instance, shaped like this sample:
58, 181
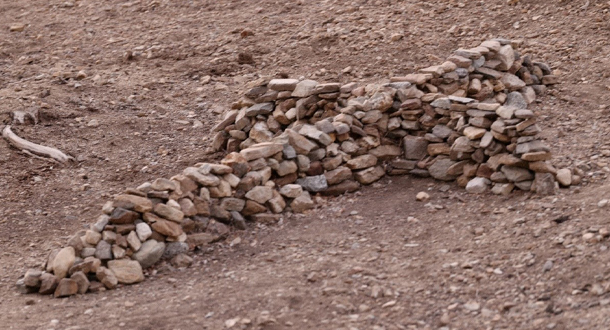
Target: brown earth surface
376, 259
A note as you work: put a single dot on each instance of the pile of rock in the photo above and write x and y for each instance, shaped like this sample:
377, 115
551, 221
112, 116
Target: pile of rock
463, 120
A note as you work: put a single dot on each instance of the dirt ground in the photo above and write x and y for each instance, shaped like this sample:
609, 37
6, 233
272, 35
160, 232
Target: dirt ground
123, 85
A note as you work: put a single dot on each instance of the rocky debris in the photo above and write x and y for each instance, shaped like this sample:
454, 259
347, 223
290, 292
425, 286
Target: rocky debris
464, 120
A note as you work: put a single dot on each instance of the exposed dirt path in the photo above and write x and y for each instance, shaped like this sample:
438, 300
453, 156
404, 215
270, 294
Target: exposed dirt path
376, 260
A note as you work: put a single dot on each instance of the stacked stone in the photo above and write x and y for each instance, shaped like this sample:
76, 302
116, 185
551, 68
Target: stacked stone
330, 138
463, 120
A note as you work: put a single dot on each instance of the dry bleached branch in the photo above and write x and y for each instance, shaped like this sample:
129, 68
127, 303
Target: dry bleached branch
33, 148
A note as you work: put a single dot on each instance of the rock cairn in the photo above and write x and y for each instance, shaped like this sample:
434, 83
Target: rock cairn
463, 120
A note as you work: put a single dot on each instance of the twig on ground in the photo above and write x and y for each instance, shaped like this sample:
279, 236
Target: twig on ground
33, 148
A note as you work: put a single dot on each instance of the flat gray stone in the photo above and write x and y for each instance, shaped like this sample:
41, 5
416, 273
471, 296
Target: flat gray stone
259, 109
313, 183
443, 103
103, 251
174, 248
150, 252
313, 133
463, 100
516, 100
439, 170
415, 147
442, 131
517, 174
532, 146
545, 184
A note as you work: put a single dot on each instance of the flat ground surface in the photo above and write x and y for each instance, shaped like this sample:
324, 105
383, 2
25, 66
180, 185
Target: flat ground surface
372, 260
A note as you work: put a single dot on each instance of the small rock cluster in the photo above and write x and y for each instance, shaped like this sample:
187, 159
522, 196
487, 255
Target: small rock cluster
463, 120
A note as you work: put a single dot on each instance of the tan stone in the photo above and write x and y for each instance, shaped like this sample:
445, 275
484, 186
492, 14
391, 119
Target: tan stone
207, 180
542, 167
474, 133
361, 162
92, 237
187, 207
82, 282
200, 239
369, 175
140, 204
169, 213
222, 190
435, 149
167, 228
386, 152
106, 277
66, 287
260, 194
48, 283
253, 207
126, 271
302, 203
63, 261
536, 156
276, 203
163, 184
564, 177
261, 150
338, 175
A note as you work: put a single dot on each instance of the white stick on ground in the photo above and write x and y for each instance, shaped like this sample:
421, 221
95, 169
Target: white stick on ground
34, 148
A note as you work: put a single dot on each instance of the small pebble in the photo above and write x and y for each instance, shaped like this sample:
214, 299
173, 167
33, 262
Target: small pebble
422, 196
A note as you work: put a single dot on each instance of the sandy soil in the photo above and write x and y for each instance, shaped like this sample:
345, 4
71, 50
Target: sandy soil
119, 86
